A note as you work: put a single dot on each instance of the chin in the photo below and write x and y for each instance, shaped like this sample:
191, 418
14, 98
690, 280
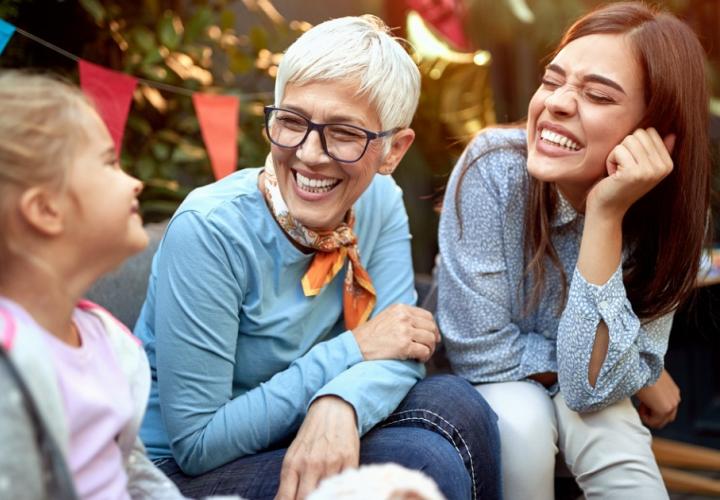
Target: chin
139, 242
540, 171
316, 223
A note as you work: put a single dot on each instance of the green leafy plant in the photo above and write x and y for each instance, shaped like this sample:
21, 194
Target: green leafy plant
194, 48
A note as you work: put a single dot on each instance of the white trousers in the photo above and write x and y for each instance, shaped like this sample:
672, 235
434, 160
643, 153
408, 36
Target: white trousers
608, 451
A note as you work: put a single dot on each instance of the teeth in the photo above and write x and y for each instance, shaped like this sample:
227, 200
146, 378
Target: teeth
315, 185
559, 140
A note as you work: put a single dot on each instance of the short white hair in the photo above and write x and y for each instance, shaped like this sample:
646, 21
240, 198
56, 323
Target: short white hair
362, 51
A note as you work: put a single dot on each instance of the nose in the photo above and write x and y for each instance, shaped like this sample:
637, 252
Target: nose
311, 151
137, 184
562, 102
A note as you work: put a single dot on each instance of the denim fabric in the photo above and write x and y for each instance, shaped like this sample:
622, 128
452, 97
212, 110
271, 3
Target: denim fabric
443, 428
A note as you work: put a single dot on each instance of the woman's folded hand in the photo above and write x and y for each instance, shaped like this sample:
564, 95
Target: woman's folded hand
399, 332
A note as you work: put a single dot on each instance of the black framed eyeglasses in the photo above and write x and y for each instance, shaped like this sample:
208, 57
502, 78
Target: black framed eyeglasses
341, 142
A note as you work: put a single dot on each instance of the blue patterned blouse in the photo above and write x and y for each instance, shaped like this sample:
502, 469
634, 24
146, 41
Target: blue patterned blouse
483, 291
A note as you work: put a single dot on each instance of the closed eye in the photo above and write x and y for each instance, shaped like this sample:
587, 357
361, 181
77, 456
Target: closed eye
600, 98
550, 83
110, 158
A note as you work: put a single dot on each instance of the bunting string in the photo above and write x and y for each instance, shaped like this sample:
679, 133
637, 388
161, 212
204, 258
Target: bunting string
112, 91
150, 83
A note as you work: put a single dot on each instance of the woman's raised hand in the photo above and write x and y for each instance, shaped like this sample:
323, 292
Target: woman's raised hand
634, 167
399, 332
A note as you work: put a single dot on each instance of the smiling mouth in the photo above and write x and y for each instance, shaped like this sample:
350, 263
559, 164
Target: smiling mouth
315, 185
555, 139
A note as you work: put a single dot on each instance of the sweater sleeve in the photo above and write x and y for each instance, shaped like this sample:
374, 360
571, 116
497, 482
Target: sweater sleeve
376, 388
199, 296
475, 292
21, 469
635, 351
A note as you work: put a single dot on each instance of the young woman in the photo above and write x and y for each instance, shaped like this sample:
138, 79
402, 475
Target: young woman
567, 246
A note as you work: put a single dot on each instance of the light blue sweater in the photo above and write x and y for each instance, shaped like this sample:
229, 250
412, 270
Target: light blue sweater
237, 351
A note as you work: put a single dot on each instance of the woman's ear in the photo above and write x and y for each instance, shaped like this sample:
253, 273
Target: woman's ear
41, 209
401, 142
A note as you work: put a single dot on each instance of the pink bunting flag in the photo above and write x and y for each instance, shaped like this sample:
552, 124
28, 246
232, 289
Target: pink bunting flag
111, 92
218, 115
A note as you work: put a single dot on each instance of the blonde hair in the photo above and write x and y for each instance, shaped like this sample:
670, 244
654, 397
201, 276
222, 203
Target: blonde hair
42, 120
40, 116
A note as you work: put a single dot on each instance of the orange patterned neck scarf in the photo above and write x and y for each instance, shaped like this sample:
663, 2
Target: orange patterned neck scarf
332, 249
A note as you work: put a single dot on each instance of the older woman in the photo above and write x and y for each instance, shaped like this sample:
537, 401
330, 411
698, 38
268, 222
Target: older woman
279, 309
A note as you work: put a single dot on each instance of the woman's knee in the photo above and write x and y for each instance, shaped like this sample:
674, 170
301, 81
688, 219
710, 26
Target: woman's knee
423, 450
449, 394
526, 420
450, 407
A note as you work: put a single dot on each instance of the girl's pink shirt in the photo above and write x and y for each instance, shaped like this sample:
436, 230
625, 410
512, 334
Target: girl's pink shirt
97, 402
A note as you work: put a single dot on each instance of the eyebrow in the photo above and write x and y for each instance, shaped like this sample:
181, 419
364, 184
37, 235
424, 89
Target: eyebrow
588, 78
109, 153
338, 118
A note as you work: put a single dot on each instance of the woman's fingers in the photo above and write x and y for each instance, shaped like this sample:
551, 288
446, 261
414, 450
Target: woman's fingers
424, 337
309, 481
428, 325
621, 158
289, 480
419, 352
397, 332
636, 148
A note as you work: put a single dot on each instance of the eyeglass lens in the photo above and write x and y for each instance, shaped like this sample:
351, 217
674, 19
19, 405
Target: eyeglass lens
343, 142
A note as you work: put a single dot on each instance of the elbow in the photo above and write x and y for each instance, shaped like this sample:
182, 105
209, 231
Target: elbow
579, 404
585, 401
189, 465
579, 399
190, 458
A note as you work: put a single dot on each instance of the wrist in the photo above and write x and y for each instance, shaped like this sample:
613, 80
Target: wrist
332, 401
333, 404
608, 213
357, 334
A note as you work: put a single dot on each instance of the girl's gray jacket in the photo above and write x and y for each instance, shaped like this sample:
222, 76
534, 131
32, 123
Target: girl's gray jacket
29, 470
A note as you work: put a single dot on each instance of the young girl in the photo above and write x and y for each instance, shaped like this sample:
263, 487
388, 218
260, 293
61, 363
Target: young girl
73, 381
567, 246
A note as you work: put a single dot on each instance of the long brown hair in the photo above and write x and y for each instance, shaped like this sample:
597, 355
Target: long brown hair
664, 231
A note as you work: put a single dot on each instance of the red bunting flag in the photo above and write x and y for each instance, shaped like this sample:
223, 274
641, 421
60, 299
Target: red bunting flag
218, 115
111, 92
446, 16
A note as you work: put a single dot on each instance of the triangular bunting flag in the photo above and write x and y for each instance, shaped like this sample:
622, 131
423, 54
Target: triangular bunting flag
218, 115
6, 32
111, 93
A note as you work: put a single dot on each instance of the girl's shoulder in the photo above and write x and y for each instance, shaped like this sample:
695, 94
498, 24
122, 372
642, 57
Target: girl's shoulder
113, 326
126, 346
17, 327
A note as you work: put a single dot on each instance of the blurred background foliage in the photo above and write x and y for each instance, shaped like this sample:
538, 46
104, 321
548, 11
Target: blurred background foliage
233, 47
190, 45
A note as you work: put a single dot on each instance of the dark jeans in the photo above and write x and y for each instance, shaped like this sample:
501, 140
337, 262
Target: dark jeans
443, 428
